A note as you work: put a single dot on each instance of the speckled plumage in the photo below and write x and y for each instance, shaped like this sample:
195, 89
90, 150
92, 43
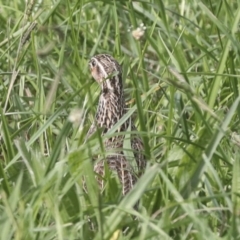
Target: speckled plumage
111, 107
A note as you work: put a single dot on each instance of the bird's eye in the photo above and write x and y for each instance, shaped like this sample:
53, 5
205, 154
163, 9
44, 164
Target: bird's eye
92, 63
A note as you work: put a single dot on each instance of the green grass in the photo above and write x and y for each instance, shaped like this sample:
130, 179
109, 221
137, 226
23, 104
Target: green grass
182, 86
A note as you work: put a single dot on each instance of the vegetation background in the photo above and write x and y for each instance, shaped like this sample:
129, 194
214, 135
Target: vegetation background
181, 63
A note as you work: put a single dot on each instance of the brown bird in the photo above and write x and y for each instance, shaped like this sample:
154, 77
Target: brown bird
111, 108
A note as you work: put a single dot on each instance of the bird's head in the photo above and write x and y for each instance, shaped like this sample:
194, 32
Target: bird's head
106, 71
